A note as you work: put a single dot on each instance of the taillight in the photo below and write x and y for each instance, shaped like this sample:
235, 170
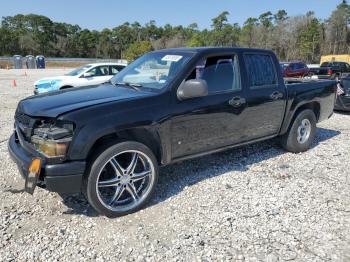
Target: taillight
330, 72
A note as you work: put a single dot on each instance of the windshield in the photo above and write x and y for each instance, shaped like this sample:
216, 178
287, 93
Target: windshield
78, 71
152, 70
284, 65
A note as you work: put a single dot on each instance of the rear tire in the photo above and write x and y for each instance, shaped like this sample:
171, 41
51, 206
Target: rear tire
301, 133
121, 179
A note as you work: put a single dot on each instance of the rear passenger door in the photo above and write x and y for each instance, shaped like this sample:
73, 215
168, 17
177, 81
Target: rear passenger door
266, 96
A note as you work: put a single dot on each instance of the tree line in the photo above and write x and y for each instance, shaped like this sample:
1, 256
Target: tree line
303, 37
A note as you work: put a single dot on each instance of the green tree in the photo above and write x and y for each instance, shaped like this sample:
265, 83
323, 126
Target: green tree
247, 35
219, 21
137, 49
196, 41
309, 39
337, 30
280, 16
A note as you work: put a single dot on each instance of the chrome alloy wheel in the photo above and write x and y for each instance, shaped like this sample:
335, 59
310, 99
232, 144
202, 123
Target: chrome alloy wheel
125, 180
304, 131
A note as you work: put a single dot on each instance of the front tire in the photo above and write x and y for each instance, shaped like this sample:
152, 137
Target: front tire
301, 133
121, 179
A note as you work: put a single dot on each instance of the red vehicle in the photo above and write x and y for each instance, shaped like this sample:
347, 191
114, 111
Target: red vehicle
294, 69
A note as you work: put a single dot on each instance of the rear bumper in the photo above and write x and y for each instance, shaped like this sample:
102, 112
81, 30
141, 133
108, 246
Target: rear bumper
64, 177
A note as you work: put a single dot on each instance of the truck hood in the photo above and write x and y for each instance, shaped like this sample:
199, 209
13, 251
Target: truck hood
56, 103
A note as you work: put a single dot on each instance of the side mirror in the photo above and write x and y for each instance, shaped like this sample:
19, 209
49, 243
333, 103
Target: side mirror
192, 88
87, 74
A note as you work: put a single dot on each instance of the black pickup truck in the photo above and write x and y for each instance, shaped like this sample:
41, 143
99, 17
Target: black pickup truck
331, 70
167, 106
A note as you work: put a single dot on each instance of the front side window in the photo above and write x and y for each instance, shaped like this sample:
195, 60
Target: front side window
99, 71
153, 70
284, 66
261, 70
220, 72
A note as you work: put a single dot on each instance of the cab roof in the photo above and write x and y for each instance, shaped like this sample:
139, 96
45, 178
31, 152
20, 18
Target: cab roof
106, 64
213, 50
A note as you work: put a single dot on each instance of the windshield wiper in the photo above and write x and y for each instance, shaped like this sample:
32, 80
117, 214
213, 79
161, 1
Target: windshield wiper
134, 86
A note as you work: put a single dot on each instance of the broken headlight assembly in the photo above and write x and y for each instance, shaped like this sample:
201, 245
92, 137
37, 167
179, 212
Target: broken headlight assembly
52, 139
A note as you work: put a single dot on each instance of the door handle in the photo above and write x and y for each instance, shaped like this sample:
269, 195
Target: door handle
237, 101
276, 95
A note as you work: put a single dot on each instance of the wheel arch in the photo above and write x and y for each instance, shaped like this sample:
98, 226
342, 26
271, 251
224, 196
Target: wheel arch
314, 106
66, 86
148, 137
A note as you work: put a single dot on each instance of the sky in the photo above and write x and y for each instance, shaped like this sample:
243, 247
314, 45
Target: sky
99, 14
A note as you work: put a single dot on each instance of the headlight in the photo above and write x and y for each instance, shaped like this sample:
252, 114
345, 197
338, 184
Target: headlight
55, 83
48, 85
53, 141
51, 148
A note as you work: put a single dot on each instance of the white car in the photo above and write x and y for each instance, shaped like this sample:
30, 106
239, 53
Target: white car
91, 74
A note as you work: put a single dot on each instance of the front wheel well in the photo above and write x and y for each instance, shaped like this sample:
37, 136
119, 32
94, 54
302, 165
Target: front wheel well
141, 135
65, 87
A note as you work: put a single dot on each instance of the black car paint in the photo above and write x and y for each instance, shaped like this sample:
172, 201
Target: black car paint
343, 100
176, 130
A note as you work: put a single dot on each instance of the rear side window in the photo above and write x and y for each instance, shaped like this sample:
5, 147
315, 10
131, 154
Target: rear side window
261, 70
115, 69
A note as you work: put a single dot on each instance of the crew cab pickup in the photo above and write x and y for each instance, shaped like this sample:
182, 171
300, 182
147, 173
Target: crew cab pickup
167, 106
331, 70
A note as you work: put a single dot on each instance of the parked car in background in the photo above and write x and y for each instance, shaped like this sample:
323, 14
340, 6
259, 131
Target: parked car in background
87, 75
331, 70
167, 106
294, 69
343, 95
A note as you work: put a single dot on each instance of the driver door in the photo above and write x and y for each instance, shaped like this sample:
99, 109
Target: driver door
214, 121
98, 75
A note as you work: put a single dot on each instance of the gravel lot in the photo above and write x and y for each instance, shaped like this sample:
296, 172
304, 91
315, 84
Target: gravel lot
256, 203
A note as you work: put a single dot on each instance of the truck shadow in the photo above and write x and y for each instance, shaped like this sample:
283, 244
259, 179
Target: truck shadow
174, 178
342, 112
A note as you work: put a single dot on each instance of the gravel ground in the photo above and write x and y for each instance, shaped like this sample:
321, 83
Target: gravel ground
255, 203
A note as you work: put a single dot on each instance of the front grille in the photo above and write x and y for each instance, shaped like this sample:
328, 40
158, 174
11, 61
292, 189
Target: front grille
25, 123
23, 119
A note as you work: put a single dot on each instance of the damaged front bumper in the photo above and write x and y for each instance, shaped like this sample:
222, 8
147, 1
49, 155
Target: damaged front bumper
65, 177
